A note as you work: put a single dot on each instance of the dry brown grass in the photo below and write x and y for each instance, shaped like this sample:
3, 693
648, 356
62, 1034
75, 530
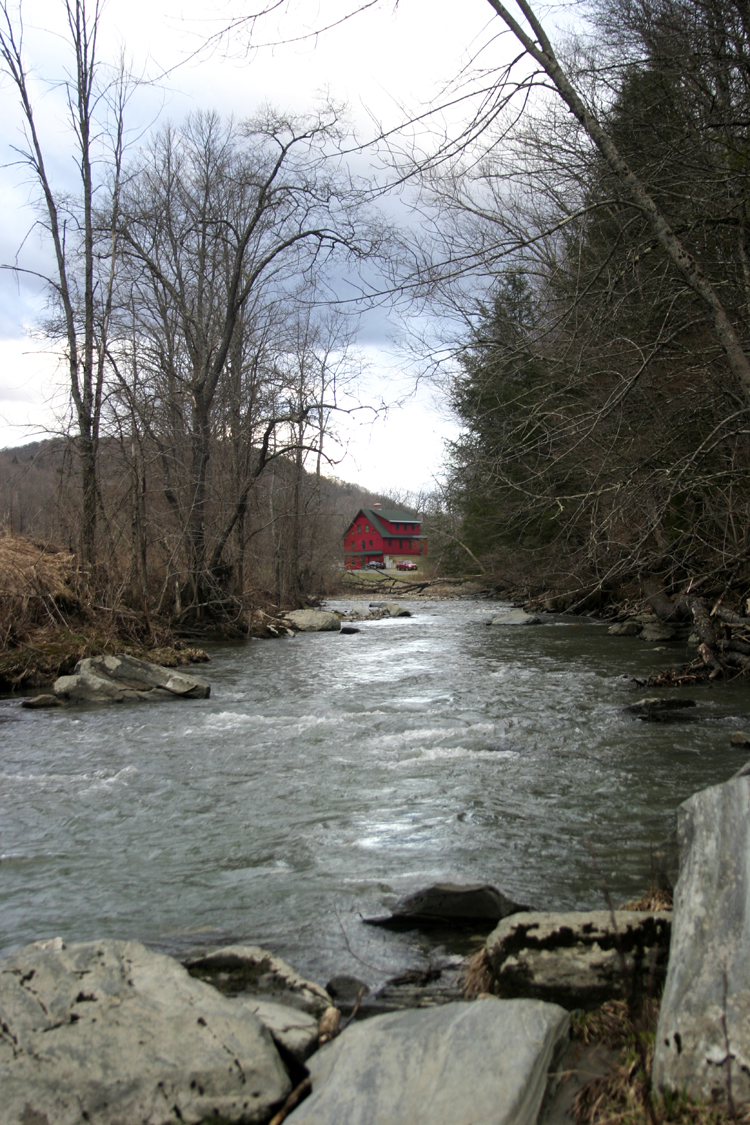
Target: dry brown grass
620, 1097
29, 568
655, 898
49, 620
477, 977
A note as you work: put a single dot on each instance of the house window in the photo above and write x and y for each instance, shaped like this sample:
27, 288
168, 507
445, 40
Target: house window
400, 544
371, 542
367, 528
363, 544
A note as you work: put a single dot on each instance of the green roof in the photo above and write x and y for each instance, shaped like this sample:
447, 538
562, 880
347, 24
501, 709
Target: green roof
396, 515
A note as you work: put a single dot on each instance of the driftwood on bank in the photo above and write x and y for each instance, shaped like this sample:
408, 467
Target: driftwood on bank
723, 636
395, 584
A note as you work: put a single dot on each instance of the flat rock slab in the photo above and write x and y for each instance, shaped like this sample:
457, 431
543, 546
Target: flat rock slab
574, 959
109, 1032
703, 1035
313, 621
113, 679
251, 970
449, 904
516, 617
479, 1063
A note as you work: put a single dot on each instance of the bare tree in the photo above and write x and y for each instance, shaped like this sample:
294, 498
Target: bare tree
224, 230
84, 240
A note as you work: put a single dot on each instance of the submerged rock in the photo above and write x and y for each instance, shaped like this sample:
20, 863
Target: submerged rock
462, 1064
109, 1032
660, 709
575, 959
313, 620
703, 1036
658, 631
624, 629
112, 679
38, 701
344, 988
449, 905
516, 617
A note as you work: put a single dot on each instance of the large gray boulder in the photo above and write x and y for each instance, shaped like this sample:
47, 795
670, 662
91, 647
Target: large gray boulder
242, 970
480, 1063
108, 1032
113, 679
515, 617
447, 905
313, 621
576, 959
703, 1037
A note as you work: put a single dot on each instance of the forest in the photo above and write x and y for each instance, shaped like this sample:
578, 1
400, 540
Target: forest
572, 270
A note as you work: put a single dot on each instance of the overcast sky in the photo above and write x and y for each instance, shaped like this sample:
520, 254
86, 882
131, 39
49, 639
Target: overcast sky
390, 57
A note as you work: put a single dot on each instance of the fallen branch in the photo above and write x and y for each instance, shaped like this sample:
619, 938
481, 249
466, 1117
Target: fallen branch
298, 1094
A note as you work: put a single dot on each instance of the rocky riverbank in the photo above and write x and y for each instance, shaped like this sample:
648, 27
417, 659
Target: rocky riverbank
109, 1032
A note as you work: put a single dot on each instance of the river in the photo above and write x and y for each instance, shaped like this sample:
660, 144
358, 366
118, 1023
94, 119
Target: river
329, 774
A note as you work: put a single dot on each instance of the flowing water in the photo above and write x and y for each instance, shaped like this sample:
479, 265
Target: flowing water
328, 774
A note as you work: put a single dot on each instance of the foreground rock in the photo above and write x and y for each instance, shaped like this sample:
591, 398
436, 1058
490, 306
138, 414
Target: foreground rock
703, 1037
462, 1064
109, 1032
313, 621
575, 959
251, 970
516, 617
114, 679
449, 905
294, 1032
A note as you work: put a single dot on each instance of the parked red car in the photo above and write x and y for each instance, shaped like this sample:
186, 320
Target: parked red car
406, 566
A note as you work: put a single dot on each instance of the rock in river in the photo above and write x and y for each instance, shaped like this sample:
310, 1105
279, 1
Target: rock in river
449, 905
393, 609
108, 1032
480, 1063
313, 621
112, 679
515, 617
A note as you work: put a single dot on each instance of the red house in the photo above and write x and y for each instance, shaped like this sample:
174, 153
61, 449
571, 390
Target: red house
378, 536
